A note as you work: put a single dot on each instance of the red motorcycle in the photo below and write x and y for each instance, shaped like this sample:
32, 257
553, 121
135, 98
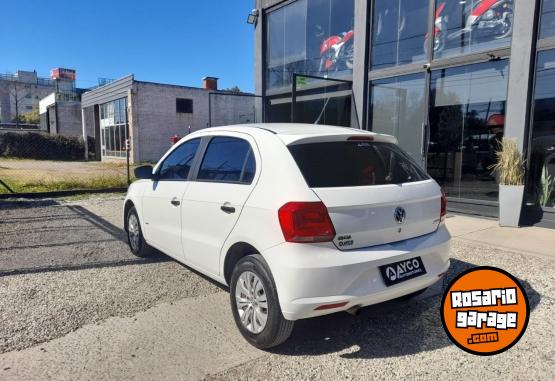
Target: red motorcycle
337, 52
484, 20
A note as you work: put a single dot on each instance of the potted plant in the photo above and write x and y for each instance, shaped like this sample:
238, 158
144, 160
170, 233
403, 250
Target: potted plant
510, 171
547, 187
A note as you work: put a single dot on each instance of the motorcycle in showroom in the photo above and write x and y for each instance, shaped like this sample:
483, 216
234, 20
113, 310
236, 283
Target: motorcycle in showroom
484, 20
337, 52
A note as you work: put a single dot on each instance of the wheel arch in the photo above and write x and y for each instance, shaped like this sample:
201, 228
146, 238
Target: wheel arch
237, 251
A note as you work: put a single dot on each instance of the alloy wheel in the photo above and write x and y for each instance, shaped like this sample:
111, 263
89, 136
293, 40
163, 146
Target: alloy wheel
133, 231
252, 305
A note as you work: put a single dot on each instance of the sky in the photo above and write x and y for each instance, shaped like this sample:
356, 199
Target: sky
167, 41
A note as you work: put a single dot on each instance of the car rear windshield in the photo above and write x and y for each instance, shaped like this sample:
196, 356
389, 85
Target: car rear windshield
351, 164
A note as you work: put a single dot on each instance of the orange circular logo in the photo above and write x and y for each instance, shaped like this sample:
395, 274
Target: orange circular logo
485, 311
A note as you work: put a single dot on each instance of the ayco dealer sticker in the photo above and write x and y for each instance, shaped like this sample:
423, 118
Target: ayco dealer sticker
485, 311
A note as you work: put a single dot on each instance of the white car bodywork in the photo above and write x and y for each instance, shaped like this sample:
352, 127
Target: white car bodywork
307, 275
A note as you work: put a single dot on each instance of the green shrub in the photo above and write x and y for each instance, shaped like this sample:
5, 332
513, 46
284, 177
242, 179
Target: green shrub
32, 145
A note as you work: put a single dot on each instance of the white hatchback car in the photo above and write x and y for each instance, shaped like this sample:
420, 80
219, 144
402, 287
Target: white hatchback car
299, 220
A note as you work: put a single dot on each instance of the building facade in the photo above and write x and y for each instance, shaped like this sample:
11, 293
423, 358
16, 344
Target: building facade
20, 94
60, 114
448, 78
149, 114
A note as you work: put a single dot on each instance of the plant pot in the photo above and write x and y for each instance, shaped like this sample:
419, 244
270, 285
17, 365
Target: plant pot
510, 204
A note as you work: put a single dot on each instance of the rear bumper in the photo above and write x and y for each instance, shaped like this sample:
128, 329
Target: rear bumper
309, 276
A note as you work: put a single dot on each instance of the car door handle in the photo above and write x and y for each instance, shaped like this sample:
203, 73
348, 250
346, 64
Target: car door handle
175, 202
227, 208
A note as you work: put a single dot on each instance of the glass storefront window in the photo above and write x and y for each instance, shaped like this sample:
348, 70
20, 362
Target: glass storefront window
398, 109
468, 26
547, 22
399, 28
113, 125
541, 173
312, 37
467, 120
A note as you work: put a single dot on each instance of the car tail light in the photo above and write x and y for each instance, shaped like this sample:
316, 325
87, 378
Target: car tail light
443, 212
305, 222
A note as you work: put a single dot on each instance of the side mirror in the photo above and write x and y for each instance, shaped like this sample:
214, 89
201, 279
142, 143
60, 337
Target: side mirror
144, 172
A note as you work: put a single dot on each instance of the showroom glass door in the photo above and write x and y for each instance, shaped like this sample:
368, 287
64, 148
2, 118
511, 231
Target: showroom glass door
398, 108
467, 121
320, 100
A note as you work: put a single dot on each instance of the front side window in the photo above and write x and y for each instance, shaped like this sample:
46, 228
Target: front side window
356, 163
463, 27
225, 160
178, 164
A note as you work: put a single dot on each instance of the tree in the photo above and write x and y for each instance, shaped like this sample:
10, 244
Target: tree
32, 117
234, 89
17, 93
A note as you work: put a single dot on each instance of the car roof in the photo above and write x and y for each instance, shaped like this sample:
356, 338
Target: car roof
293, 132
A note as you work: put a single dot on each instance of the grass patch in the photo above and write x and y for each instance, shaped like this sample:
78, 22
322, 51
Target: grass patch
51, 184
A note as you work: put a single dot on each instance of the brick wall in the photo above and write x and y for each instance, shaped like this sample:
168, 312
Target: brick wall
69, 119
155, 119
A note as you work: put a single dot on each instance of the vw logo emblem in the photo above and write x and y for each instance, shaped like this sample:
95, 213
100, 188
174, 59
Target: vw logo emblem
400, 214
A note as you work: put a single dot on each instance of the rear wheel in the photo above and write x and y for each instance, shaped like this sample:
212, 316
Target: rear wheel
135, 237
255, 304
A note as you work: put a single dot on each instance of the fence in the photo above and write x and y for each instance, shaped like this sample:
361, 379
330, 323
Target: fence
33, 161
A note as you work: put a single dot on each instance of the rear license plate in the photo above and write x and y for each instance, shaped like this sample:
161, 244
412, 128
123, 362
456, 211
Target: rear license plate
401, 271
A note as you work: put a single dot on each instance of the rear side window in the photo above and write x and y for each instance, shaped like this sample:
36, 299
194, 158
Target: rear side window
178, 164
351, 164
227, 159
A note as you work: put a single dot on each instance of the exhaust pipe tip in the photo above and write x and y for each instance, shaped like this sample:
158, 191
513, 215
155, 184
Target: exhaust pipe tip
354, 311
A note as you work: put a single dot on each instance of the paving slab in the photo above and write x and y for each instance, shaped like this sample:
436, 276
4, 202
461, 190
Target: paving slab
530, 240
181, 340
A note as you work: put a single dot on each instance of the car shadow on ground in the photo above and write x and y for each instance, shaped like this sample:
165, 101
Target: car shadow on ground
390, 329
46, 236
59, 247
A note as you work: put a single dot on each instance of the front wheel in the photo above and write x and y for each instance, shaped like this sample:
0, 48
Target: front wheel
135, 237
255, 304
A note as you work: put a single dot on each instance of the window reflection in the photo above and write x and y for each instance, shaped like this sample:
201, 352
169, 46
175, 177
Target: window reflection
399, 28
398, 109
467, 120
313, 37
466, 26
547, 23
541, 184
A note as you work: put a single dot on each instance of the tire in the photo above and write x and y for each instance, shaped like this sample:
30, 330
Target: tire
276, 328
135, 237
439, 43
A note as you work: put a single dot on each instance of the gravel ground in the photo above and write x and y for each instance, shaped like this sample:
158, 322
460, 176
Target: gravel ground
399, 340
74, 270
65, 265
